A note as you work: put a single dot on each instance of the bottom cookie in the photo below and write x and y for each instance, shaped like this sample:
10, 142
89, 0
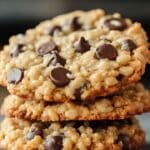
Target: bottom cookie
80, 135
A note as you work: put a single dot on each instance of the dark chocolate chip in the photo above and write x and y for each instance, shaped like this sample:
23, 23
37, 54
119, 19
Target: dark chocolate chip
125, 141
106, 51
54, 30
115, 24
77, 94
54, 143
82, 45
16, 50
47, 48
75, 25
15, 75
128, 45
34, 131
56, 58
59, 76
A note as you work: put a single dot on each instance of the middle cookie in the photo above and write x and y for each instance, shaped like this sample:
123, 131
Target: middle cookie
131, 101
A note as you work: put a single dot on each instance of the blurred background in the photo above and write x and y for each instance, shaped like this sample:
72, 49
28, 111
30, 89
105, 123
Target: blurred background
18, 15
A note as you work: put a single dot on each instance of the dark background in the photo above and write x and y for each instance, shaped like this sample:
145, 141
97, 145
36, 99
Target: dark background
18, 15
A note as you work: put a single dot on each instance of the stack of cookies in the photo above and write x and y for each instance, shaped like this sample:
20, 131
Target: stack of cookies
73, 84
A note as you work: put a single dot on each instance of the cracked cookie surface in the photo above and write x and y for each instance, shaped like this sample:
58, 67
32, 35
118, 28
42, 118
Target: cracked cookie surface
131, 101
83, 64
105, 135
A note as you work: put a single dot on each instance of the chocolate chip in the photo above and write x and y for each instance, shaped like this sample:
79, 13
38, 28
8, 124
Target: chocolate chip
34, 131
16, 50
115, 24
54, 143
56, 58
47, 48
77, 94
106, 51
15, 75
75, 25
54, 30
125, 141
82, 45
59, 76
128, 45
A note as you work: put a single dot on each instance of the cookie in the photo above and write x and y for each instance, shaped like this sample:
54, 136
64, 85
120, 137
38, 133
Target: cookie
134, 100
111, 135
82, 65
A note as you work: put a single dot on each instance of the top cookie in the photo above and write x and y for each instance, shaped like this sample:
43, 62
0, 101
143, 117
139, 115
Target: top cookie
80, 64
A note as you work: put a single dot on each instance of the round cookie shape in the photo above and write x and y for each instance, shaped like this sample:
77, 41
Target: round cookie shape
57, 136
97, 61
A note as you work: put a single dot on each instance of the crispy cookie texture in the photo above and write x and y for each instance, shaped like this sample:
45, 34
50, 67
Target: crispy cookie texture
131, 101
106, 135
81, 64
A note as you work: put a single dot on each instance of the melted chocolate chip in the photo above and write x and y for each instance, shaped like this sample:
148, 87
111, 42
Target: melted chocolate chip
34, 131
75, 25
47, 48
54, 30
16, 50
128, 45
15, 75
56, 58
59, 76
115, 24
54, 143
125, 141
82, 45
106, 51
